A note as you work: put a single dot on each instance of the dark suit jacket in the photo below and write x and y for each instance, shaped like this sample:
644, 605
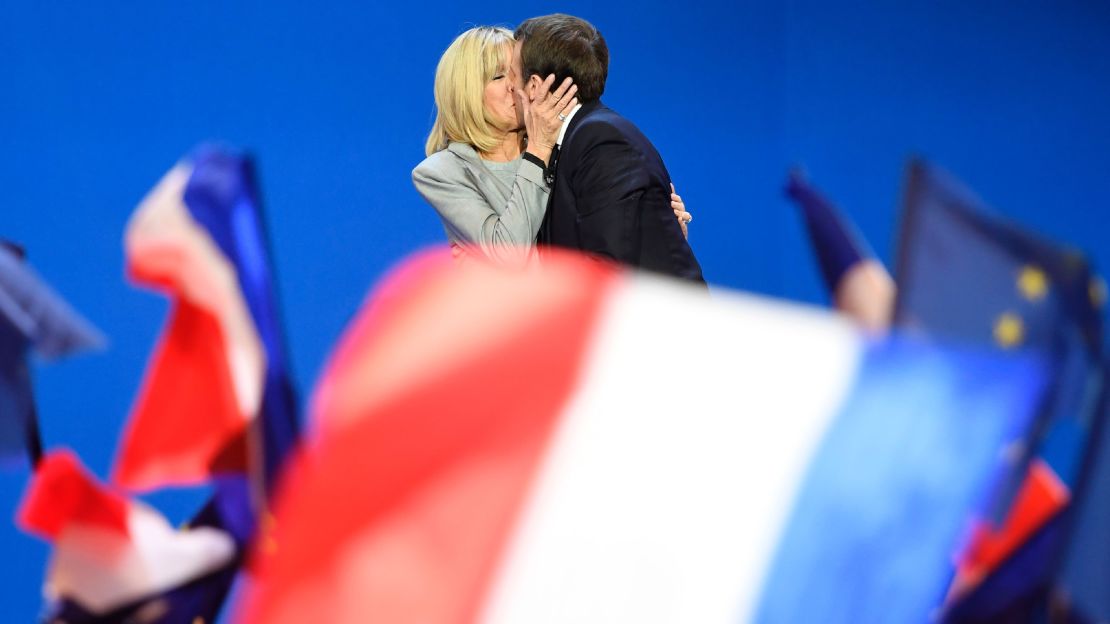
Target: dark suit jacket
612, 197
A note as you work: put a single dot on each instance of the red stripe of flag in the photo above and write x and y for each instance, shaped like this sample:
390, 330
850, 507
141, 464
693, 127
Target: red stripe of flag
62, 493
186, 418
400, 510
1042, 495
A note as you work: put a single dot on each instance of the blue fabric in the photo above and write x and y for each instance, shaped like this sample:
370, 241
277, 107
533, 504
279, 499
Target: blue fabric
958, 267
31, 316
880, 511
222, 195
28, 304
832, 238
18, 426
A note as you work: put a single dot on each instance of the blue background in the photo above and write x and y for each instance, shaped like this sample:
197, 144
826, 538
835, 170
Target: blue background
99, 99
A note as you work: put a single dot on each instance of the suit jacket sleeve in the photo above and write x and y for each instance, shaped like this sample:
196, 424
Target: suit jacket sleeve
609, 183
445, 183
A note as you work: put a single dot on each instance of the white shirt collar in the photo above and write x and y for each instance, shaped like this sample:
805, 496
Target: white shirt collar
566, 124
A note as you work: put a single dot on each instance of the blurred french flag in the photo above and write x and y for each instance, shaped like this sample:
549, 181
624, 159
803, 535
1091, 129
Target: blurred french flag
217, 399
580, 443
111, 551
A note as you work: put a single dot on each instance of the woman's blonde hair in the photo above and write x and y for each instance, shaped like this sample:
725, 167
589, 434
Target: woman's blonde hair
471, 61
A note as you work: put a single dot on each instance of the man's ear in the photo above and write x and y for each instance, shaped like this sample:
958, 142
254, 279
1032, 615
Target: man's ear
535, 83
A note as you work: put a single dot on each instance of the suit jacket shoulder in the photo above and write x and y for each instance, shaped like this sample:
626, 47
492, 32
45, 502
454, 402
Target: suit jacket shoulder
612, 197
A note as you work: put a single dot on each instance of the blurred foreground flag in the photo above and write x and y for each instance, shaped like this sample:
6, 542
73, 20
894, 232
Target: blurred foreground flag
217, 398
858, 283
586, 444
31, 316
109, 551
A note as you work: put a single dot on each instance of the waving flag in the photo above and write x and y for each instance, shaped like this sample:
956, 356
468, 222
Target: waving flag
549, 466
31, 316
51, 326
859, 284
1084, 574
110, 551
204, 383
223, 196
967, 275
218, 399
191, 601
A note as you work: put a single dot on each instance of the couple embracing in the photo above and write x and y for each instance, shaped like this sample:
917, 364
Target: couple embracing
524, 155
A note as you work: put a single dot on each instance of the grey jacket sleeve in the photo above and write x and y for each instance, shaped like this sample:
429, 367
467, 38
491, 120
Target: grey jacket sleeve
445, 183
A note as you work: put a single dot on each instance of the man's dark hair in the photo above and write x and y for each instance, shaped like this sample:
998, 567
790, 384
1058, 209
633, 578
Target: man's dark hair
565, 45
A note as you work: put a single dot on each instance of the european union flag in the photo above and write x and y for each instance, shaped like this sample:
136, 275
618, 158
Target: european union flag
967, 275
1082, 588
964, 274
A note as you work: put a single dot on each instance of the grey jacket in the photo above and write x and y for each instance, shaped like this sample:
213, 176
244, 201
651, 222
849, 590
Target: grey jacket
477, 208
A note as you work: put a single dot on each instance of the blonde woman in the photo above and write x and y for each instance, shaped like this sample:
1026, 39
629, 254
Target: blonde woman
488, 150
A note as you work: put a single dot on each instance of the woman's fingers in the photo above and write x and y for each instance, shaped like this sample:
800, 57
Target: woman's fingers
680, 212
562, 90
553, 102
545, 90
683, 219
564, 100
570, 106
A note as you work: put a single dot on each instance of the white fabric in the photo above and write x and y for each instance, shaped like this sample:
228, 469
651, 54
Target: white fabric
163, 239
103, 570
682, 528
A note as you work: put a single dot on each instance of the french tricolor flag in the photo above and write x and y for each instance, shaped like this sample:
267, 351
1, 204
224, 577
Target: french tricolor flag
578, 443
108, 550
204, 384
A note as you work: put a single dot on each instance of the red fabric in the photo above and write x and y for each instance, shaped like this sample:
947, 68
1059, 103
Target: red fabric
186, 417
1042, 495
62, 493
399, 513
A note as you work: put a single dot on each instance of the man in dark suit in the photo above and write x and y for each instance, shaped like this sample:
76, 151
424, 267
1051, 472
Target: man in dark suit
612, 194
